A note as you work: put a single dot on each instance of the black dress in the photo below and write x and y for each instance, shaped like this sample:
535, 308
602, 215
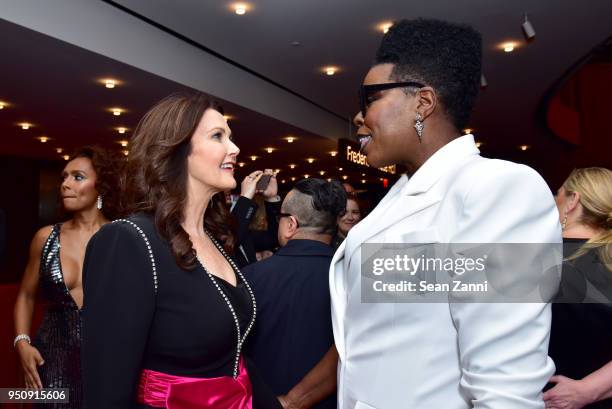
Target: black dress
581, 332
59, 336
172, 321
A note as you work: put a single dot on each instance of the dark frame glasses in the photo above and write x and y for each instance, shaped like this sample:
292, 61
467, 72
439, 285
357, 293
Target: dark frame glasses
366, 90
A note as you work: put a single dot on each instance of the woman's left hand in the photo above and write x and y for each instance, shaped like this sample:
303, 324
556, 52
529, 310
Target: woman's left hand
271, 190
566, 394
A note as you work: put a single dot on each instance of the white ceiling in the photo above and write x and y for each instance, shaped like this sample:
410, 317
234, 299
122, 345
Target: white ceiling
343, 33
339, 32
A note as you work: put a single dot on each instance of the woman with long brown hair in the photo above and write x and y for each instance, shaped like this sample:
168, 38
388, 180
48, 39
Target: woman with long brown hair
90, 192
581, 334
166, 310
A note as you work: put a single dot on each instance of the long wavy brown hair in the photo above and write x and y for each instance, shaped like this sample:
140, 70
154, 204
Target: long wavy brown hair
156, 174
108, 166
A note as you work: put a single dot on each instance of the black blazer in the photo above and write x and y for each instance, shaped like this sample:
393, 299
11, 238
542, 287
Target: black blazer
174, 322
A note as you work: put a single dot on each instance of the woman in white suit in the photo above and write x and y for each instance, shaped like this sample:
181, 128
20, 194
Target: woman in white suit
415, 100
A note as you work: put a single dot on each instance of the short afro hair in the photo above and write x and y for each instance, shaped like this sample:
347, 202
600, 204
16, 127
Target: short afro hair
443, 55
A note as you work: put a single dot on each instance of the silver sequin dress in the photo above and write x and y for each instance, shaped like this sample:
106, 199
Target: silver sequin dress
59, 336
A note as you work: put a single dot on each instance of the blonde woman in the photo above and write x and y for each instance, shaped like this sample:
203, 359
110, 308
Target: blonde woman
581, 336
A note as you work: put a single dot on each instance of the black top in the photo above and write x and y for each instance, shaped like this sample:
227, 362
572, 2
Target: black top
293, 330
184, 327
581, 333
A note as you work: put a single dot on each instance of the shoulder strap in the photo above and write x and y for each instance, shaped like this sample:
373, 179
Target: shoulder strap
149, 249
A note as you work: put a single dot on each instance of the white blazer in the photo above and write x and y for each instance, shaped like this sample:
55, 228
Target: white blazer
446, 355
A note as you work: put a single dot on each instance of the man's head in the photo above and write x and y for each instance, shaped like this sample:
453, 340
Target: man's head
442, 63
310, 209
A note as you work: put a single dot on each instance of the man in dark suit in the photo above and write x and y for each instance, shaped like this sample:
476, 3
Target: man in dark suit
293, 340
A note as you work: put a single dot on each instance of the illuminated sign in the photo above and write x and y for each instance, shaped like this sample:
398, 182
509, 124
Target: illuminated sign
359, 158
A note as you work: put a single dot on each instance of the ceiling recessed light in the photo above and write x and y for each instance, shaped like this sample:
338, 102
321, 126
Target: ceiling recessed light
292, 166
270, 149
290, 139
121, 130
330, 70
240, 9
478, 144
3, 104
329, 179
333, 153
363, 181
109, 83
524, 147
293, 179
307, 176
283, 181
468, 131
363, 174
66, 157
227, 117
321, 172
123, 143
344, 177
340, 169
508, 47
253, 157
310, 160
126, 152
384, 27
43, 139
25, 126
277, 170
59, 150
117, 111
241, 164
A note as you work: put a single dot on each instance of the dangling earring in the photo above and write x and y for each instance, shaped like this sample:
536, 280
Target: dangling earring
418, 125
564, 222
99, 202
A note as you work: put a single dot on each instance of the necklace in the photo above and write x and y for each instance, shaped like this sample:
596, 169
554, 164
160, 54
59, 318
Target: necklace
240, 339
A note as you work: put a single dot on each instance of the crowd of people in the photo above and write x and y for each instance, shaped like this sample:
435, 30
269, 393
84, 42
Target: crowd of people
161, 294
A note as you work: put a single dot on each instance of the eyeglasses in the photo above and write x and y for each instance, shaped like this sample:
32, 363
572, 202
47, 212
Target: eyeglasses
290, 215
367, 90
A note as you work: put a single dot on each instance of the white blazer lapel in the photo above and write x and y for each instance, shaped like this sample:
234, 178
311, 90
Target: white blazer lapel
338, 293
358, 233
382, 221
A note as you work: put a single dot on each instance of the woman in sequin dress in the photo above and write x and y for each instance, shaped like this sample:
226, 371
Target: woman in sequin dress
166, 311
52, 360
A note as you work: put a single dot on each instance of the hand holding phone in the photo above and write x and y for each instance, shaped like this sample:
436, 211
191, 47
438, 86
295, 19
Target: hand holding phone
263, 183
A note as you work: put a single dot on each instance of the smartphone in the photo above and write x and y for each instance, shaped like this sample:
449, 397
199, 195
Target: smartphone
263, 183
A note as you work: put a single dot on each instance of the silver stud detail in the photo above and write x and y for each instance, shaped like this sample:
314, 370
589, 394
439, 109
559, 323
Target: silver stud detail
148, 245
240, 339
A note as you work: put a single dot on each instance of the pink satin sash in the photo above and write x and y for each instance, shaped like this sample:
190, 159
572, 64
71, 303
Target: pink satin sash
161, 390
